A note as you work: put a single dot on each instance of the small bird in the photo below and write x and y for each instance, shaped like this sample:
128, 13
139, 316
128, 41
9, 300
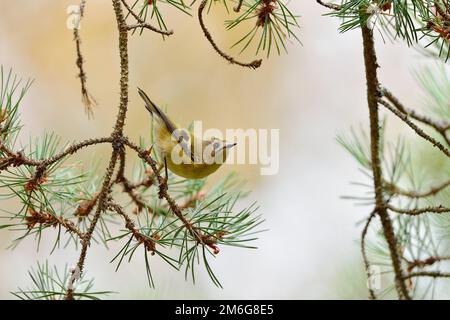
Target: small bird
184, 154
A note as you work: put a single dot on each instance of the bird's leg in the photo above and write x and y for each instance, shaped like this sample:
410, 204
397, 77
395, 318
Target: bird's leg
165, 169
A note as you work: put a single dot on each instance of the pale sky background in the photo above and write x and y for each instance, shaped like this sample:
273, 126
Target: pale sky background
310, 94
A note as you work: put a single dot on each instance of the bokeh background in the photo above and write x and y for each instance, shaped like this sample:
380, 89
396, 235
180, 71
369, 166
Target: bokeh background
310, 94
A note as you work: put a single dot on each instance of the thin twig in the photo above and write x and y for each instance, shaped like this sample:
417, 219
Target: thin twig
149, 27
441, 128
329, 5
253, 65
419, 211
87, 99
127, 188
425, 262
47, 219
412, 125
432, 274
238, 7
129, 224
21, 159
144, 155
141, 22
417, 194
372, 295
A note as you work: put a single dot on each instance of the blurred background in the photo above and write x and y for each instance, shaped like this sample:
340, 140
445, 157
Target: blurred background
310, 94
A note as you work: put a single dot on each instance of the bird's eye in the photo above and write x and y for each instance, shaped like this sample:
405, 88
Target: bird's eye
185, 135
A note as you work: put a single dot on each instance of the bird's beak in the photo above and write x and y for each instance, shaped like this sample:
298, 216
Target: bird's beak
229, 146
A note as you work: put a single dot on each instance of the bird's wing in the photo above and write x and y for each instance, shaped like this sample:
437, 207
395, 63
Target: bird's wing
154, 109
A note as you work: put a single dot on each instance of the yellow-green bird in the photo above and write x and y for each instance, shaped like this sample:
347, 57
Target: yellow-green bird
183, 153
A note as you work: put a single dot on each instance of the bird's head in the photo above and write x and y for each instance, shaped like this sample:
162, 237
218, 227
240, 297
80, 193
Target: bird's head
216, 151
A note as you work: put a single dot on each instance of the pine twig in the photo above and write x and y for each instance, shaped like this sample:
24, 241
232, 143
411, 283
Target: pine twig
441, 128
142, 24
419, 211
412, 125
372, 295
130, 225
432, 274
87, 99
253, 65
417, 194
329, 5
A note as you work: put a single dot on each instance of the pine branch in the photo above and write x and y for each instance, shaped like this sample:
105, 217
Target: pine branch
418, 211
149, 27
419, 131
371, 65
393, 189
253, 65
441, 128
372, 295
129, 224
87, 99
425, 262
432, 274
329, 5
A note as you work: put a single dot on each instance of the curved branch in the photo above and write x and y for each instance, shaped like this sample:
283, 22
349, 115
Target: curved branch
129, 224
149, 27
238, 7
144, 155
142, 23
329, 5
441, 128
419, 131
417, 194
372, 295
87, 99
21, 159
419, 211
432, 274
253, 65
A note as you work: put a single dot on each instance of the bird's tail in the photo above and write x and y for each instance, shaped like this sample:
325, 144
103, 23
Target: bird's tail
154, 109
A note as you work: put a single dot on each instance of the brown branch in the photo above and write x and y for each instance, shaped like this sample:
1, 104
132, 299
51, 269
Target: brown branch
145, 155
432, 274
238, 7
425, 262
149, 27
417, 194
371, 65
21, 159
86, 240
87, 99
419, 211
48, 220
149, 244
117, 145
142, 24
441, 11
329, 5
412, 125
441, 128
138, 19
253, 65
372, 295
127, 188
86, 207
147, 182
